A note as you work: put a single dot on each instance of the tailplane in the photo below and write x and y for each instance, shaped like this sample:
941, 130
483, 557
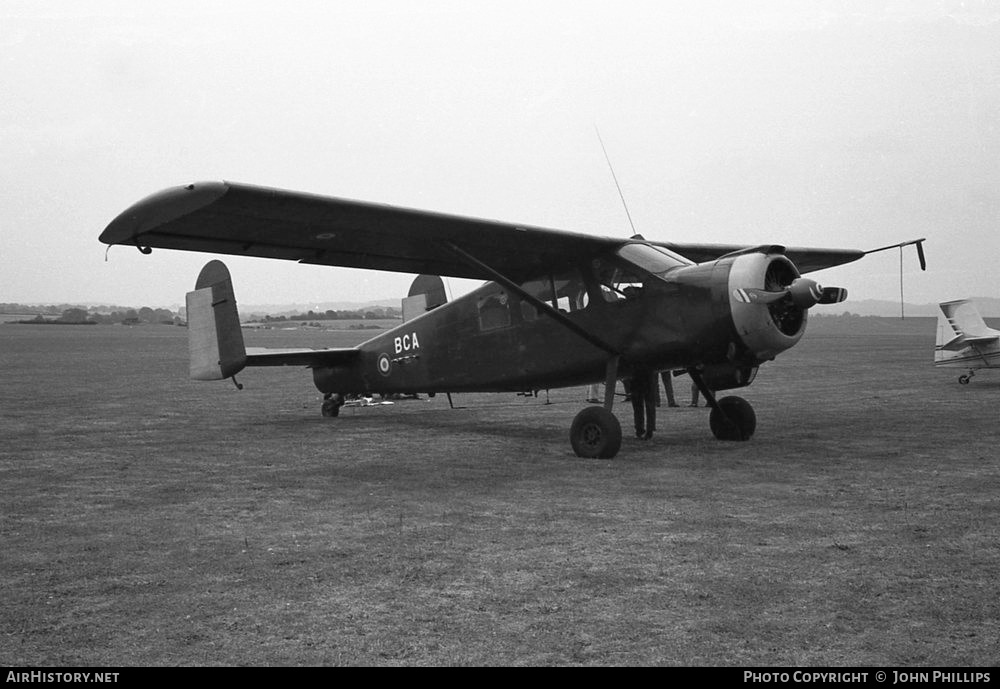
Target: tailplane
215, 340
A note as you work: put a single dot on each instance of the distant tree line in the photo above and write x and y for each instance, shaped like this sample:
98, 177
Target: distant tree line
78, 315
373, 313
75, 314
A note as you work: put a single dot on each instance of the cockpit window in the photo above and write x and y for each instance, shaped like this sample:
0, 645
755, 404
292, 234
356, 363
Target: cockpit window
656, 260
618, 280
625, 276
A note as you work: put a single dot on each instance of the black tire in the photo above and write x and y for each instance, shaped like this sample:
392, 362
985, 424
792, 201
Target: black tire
964, 380
734, 419
331, 408
596, 433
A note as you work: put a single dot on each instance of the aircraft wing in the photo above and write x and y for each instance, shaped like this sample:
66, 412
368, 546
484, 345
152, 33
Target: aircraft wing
245, 220
264, 356
805, 259
230, 218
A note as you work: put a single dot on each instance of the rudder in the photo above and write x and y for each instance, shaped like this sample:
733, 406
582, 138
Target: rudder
215, 340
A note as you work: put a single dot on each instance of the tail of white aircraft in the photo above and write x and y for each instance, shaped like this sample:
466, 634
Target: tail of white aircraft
215, 340
963, 338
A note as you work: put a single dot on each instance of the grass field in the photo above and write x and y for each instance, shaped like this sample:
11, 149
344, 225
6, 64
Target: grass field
151, 520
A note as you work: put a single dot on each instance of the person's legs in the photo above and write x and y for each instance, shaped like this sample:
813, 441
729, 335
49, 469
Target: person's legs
638, 412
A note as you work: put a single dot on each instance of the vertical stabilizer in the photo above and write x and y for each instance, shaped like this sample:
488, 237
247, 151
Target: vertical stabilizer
414, 306
215, 340
964, 317
426, 293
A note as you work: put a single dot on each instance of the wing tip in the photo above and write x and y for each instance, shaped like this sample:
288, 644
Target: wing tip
161, 208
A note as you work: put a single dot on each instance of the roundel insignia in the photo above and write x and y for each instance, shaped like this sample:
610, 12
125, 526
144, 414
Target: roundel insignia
384, 365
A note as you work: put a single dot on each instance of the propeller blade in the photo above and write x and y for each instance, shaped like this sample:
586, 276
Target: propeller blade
751, 295
804, 292
833, 295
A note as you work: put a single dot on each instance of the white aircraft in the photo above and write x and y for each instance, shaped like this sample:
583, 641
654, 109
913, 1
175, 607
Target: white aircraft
964, 340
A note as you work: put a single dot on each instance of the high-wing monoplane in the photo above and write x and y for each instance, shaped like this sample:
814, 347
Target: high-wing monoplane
964, 340
557, 308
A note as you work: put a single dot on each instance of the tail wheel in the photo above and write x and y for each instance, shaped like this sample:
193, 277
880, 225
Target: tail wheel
732, 419
596, 433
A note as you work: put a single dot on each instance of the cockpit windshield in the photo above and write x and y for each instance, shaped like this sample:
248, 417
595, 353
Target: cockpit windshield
630, 272
653, 259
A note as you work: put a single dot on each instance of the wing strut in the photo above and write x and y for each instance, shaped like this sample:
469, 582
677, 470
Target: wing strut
543, 307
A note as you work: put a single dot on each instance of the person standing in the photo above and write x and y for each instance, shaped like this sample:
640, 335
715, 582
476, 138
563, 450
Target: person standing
668, 385
643, 397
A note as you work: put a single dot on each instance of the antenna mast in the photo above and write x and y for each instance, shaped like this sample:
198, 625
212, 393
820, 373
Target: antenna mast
615, 178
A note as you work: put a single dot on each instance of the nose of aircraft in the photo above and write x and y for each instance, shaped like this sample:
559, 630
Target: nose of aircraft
769, 302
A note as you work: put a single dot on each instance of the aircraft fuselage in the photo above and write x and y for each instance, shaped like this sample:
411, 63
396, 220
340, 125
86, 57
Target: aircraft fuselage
495, 340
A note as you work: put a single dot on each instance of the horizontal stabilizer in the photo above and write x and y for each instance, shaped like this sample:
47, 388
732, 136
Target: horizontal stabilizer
314, 358
955, 344
960, 342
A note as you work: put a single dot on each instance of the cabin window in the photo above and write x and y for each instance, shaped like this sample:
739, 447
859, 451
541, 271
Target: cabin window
565, 291
494, 311
540, 289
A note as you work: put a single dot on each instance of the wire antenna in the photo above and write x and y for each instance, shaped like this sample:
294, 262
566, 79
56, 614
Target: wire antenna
615, 178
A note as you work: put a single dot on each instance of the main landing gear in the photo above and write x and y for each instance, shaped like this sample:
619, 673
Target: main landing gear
966, 377
732, 417
596, 434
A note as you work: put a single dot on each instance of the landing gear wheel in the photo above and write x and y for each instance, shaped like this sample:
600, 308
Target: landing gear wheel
733, 419
331, 405
596, 433
964, 379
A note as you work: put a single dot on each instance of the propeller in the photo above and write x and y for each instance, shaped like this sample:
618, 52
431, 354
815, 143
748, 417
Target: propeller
803, 292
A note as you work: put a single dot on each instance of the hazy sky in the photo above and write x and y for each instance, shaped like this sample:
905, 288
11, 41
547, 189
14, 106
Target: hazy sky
835, 124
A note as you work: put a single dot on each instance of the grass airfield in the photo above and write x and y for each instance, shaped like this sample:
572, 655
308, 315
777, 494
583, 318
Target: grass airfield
151, 520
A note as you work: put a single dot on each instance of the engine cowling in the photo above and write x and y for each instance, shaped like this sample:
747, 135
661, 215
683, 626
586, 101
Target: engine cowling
769, 301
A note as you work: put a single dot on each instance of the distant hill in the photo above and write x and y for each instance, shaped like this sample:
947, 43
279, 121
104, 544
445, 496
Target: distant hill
302, 307
987, 306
